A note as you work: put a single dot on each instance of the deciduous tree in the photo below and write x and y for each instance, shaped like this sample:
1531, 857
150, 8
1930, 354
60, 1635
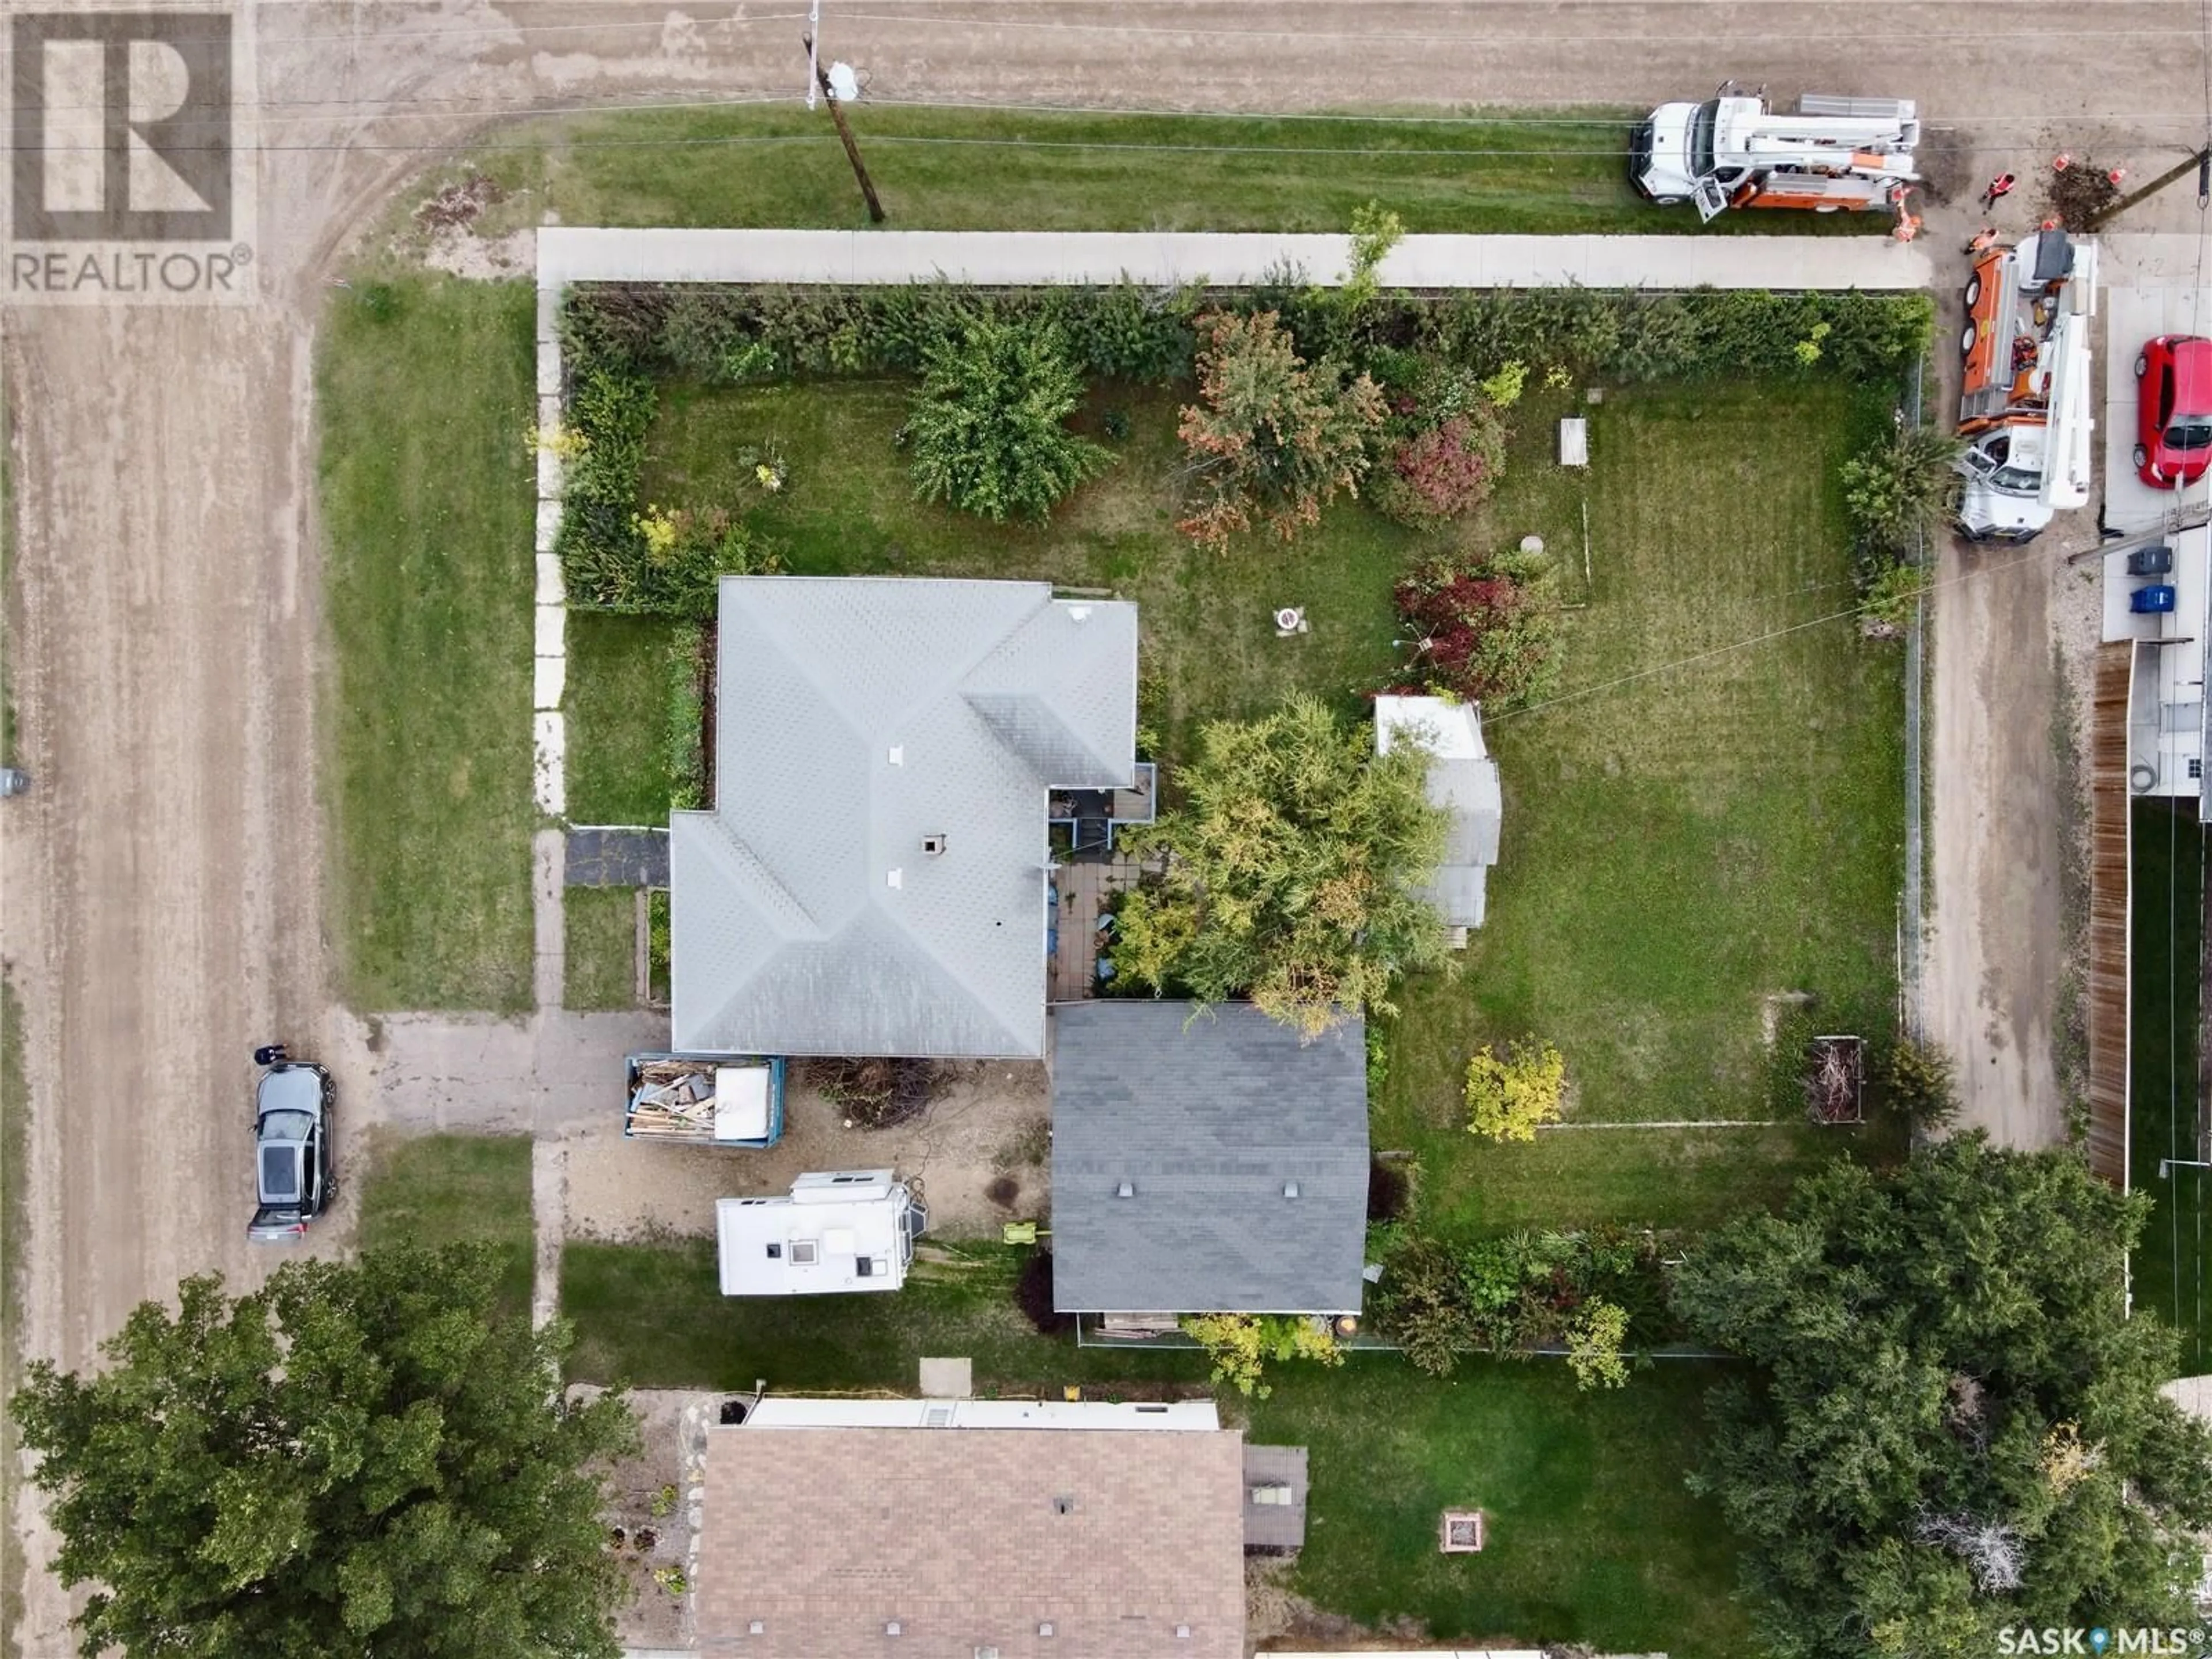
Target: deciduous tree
1271, 436
988, 425
353, 1460
1293, 869
1510, 1094
1956, 1430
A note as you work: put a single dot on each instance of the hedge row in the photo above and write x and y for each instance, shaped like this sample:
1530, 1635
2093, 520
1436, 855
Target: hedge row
619, 339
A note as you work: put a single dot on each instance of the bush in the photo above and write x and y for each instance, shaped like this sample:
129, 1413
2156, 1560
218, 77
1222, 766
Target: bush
987, 429
1241, 1345
1270, 435
1923, 1086
1508, 1097
1525, 1291
1902, 489
1486, 633
1896, 585
1033, 1294
1444, 473
1594, 1337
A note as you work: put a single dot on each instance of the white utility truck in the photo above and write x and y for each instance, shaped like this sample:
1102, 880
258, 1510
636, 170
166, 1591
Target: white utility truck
2024, 402
1829, 154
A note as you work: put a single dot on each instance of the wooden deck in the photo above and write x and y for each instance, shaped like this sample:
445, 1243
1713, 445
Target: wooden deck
2108, 915
1083, 884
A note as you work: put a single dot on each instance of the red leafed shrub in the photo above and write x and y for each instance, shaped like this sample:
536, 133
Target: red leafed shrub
1486, 633
1439, 475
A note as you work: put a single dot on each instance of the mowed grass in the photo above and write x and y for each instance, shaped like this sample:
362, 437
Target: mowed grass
424, 390
2167, 1273
653, 1314
1709, 812
600, 964
616, 704
967, 169
1591, 1537
1208, 647
434, 1190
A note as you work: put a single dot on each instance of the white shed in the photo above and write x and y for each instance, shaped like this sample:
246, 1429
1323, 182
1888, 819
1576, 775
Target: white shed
1463, 780
842, 1229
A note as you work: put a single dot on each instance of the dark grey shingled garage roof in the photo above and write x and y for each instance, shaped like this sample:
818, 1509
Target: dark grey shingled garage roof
1207, 1120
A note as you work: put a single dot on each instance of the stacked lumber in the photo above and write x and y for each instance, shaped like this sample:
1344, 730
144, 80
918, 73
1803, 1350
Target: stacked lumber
673, 1097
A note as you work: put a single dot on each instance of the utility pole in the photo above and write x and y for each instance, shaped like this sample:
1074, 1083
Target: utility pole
844, 132
2200, 164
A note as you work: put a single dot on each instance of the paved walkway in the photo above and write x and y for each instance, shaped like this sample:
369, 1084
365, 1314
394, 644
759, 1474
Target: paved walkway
579, 254
601, 856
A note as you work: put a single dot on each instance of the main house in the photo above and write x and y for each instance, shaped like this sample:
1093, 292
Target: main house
946, 1529
871, 879
1206, 1160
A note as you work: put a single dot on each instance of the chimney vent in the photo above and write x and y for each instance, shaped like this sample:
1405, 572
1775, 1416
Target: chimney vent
1127, 1189
933, 845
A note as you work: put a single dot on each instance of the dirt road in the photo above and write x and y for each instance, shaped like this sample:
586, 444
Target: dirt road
160, 892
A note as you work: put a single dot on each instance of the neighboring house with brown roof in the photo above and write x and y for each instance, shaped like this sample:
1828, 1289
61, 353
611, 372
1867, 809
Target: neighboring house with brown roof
1093, 1531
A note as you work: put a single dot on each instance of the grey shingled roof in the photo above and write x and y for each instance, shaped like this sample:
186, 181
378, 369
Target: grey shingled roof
786, 933
1206, 1118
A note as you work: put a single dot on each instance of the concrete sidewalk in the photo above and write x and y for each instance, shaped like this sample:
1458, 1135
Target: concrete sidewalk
1028, 258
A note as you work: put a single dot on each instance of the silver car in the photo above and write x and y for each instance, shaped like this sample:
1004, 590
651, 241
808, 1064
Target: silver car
294, 1174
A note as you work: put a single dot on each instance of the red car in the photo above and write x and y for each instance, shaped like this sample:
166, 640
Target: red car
2173, 410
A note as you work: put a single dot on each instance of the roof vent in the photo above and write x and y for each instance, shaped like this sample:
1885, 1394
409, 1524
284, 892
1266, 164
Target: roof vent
1182, 1632
890, 1627
933, 845
758, 1627
1045, 1628
895, 880
1290, 1190
1127, 1189
898, 755
1063, 1504
1078, 613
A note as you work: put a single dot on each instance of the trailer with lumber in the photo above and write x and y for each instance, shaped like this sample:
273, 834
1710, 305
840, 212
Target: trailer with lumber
707, 1100
1829, 154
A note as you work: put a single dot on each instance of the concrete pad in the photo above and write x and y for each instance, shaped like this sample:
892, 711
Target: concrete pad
548, 310
2133, 315
567, 254
549, 677
548, 1212
549, 939
549, 474
2192, 1393
551, 590
549, 524
552, 631
550, 411
549, 369
948, 1379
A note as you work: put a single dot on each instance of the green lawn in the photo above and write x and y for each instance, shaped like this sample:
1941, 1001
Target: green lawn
945, 169
616, 704
424, 390
1716, 821
2168, 1272
433, 1190
600, 961
653, 1314
1591, 1535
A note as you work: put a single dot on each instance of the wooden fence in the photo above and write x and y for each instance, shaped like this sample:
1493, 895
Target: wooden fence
2108, 915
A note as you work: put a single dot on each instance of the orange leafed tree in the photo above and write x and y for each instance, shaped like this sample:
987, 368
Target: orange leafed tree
1272, 437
